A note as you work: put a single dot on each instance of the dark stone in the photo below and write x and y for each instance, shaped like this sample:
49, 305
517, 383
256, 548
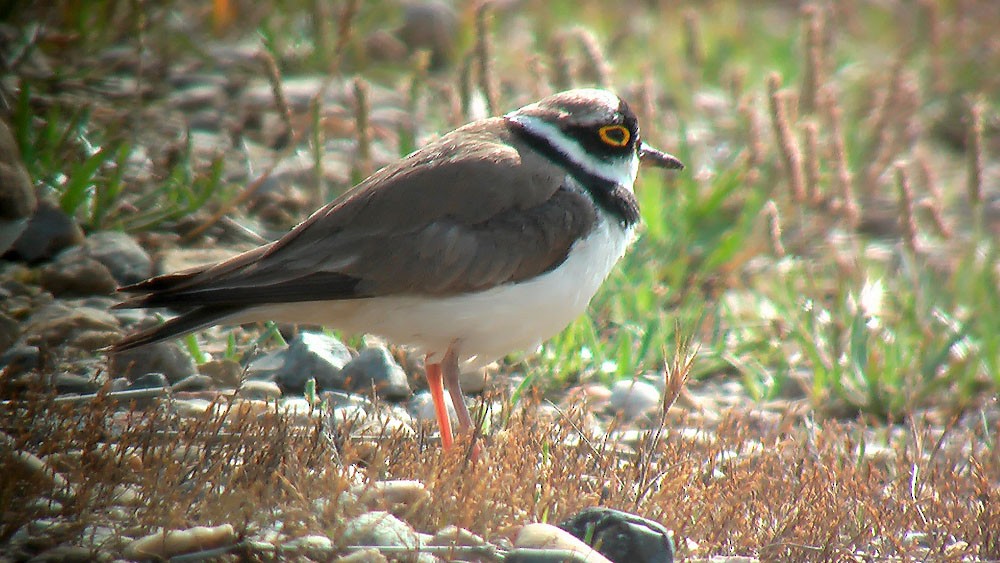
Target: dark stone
56, 324
125, 259
17, 195
375, 368
309, 355
10, 331
166, 358
622, 537
49, 231
66, 383
73, 274
20, 359
195, 382
150, 381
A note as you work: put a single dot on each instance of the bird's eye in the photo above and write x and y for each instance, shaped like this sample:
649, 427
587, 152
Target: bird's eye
615, 135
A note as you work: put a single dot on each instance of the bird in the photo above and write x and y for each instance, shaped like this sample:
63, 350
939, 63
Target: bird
488, 240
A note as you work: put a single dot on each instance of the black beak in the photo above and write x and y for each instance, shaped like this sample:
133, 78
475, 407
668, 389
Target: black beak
659, 158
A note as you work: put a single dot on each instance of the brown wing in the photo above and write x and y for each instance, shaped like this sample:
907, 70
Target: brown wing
494, 215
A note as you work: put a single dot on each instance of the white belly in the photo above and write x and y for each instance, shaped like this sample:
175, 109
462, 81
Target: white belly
487, 324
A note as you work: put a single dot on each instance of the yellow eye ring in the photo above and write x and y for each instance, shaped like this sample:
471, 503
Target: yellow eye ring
615, 135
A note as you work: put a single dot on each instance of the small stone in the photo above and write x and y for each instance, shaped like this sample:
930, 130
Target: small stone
10, 331
310, 355
125, 259
455, 536
150, 381
622, 537
374, 368
363, 556
196, 382
70, 383
17, 194
255, 389
379, 528
299, 409
631, 399
119, 384
176, 542
70, 554
166, 358
73, 274
49, 231
20, 359
422, 407
126, 495
198, 96
191, 407
393, 494
225, 372
56, 324
547, 536
314, 547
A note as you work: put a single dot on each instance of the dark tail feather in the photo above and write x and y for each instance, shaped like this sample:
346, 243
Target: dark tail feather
189, 321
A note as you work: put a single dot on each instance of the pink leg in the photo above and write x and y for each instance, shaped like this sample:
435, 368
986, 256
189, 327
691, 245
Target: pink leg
449, 369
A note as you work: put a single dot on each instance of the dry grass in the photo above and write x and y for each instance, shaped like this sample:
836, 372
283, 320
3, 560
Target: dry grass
753, 482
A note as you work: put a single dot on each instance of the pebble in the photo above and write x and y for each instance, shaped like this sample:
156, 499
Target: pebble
622, 537
375, 368
94, 340
549, 537
392, 495
56, 324
124, 258
20, 359
632, 399
224, 372
176, 542
255, 389
191, 407
66, 383
379, 528
48, 232
150, 381
196, 382
309, 355
422, 407
167, 358
10, 331
70, 554
363, 556
453, 535
314, 547
17, 194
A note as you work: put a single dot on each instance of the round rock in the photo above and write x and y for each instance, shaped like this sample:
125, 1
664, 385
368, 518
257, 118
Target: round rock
375, 368
17, 195
125, 259
74, 274
631, 399
622, 537
49, 231
166, 358
378, 528
309, 355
